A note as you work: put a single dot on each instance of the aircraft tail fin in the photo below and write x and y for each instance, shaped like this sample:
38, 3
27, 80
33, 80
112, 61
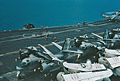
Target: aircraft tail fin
66, 44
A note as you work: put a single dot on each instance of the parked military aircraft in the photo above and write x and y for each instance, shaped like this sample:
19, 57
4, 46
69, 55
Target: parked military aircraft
32, 50
112, 16
85, 50
86, 76
68, 67
84, 72
105, 42
45, 60
32, 60
110, 39
102, 43
28, 64
87, 68
65, 52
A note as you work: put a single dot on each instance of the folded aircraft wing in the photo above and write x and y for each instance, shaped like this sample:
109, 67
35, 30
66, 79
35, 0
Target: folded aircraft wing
47, 51
84, 67
71, 51
57, 45
112, 52
50, 53
114, 61
68, 51
87, 76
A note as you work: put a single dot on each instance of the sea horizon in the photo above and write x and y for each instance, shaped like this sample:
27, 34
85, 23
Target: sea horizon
16, 13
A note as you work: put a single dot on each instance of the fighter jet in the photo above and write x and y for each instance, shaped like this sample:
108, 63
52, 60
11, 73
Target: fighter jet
45, 60
84, 72
65, 52
32, 50
93, 69
112, 16
28, 64
101, 45
32, 60
84, 51
74, 67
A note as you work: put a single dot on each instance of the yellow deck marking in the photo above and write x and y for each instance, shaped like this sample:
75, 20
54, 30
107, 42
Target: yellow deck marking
14, 52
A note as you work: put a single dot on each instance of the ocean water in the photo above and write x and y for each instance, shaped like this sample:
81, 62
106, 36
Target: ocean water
15, 13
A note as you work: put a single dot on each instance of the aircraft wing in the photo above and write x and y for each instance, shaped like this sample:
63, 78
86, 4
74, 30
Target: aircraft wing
112, 52
88, 76
49, 53
84, 67
97, 35
71, 51
114, 62
57, 45
44, 56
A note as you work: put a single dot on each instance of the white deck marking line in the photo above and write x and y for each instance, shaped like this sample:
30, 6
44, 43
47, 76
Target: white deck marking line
19, 35
41, 35
99, 25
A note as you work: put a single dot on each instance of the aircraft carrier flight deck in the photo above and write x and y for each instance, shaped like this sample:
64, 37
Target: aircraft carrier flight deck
12, 41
